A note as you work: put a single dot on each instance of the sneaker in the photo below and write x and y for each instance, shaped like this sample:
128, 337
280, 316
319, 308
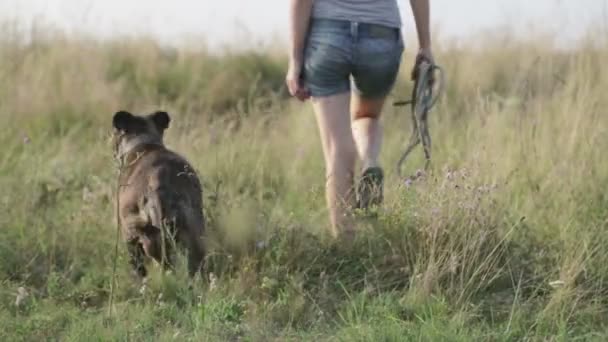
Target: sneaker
370, 189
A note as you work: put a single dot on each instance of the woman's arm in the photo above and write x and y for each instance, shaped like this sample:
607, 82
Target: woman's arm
299, 19
422, 14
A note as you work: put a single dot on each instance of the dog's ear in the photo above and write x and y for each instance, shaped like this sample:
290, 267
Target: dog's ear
161, 120
121, 120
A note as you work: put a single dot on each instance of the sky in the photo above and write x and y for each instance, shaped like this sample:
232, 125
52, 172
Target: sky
236, 22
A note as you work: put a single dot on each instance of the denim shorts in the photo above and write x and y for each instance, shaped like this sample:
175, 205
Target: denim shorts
344, 55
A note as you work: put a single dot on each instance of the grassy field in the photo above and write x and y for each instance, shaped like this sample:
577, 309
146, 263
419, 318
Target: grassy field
504, 240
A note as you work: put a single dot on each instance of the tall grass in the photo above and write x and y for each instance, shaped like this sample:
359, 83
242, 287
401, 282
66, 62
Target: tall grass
505, 239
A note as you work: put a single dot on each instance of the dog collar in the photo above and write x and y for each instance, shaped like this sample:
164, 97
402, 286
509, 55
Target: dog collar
133, 144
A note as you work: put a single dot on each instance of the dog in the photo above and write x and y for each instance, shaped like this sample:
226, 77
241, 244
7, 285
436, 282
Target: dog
159, 197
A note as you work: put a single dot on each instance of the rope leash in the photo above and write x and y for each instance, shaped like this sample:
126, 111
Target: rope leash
121, 166
113, 283
428, 87
113, 278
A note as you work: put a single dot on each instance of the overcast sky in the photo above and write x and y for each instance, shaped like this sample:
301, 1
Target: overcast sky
227, 21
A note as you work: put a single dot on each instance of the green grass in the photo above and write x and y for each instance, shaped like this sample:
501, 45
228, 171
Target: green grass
505, 239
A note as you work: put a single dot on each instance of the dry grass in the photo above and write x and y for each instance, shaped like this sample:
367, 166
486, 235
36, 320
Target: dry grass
504, 239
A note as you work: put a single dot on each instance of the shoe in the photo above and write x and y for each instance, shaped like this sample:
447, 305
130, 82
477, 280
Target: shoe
370, 189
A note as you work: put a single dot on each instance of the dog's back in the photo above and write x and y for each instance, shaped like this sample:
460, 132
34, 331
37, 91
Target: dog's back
160, 203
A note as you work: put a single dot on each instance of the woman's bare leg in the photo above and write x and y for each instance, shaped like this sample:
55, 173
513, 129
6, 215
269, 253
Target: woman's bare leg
368, 133
367, 129
333, 119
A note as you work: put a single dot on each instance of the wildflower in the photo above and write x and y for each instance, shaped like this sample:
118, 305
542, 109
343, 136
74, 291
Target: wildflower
261, 244
449, 175
464, 173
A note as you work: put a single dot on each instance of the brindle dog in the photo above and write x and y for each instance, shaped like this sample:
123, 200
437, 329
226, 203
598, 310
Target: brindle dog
160, 195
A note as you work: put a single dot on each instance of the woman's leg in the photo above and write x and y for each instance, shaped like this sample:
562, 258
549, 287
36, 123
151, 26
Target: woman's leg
367, 129
333, 119
368, 133
378, 57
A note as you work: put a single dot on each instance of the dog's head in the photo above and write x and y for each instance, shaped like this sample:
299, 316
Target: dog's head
131, 131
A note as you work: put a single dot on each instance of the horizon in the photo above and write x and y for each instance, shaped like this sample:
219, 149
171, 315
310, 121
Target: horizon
232, 22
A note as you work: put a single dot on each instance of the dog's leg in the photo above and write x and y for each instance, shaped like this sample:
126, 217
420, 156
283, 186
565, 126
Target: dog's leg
150, 239
191, 241
161, 228
136, 258
157, 245
196, 256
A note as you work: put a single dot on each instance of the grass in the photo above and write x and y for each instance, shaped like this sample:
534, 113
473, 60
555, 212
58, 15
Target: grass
504, 240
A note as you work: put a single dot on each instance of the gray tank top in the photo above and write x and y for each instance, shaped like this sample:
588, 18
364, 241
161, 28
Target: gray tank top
381, 12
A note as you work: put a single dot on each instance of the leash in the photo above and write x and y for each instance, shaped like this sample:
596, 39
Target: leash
113, 279
121, 166
428, 87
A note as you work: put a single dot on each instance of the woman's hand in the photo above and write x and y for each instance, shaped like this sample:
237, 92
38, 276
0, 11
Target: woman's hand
423, 56
294, 80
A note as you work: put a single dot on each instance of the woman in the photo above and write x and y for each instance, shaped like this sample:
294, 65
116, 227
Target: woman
345, 55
